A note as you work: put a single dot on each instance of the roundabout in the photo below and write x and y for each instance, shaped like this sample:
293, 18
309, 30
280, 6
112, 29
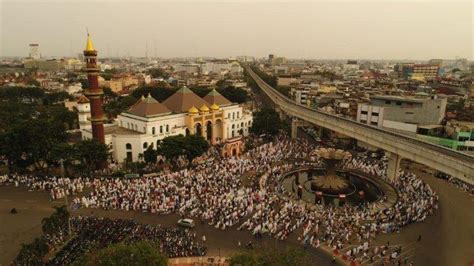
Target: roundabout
331, 184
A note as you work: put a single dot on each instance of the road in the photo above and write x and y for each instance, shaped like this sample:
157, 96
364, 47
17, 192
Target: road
447, 237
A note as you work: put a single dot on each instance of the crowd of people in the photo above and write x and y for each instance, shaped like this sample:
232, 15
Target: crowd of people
94, 233
243, 191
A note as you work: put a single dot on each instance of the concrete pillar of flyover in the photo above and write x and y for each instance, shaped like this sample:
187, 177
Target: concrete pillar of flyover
281, 113
294, 128
393, 165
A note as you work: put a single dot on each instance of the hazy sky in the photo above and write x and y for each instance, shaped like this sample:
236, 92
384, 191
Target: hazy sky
326, 30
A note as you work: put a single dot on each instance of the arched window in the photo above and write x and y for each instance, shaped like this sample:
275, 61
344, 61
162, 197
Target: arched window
128, 146
167, 128
233, 126
145, 145
242, 124
153, 130
161, 129
238, 114
233, 115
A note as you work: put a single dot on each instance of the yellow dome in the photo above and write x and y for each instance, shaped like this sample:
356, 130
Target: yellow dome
204, 108
89, 45
193, 110
214, 107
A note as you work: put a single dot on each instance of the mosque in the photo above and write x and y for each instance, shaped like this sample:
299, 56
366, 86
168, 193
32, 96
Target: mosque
148, 121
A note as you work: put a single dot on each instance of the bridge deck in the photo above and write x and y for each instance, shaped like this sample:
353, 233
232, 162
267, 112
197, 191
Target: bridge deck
458, 164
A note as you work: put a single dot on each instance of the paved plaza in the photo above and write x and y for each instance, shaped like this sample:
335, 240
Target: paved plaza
447, 235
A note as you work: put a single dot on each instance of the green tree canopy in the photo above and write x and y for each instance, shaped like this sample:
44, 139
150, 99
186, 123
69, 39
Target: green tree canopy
160, 93
22, 94
158, 73
139, 253
194, 146
233, 94
269, 257
91, 153
266, 121
150, 155
33, 253
58, 221
200, 91
270, 80
118, 105
191, 146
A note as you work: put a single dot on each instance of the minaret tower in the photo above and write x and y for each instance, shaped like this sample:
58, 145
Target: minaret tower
94, 92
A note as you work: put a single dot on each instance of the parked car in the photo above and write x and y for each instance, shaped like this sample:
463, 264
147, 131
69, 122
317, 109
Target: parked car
189, 223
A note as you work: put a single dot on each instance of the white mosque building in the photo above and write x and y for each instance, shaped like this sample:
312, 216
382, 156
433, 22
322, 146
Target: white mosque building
148, 121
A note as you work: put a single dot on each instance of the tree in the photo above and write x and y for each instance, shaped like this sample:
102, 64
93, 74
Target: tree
233, 94
91, 153
191, 146
200, 91
63, 152
247, 259
158, 73
150, 155
266, 121
109, 95
160, 93
194, 146
58, 221
266, 256
56, 97
22, 94
118, 105
285, 90
270, 80
139, 253
33, 253
172, 147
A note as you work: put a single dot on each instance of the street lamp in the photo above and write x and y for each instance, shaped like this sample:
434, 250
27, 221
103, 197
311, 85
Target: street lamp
61, 161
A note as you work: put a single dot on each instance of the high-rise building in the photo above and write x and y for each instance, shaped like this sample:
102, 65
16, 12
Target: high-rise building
428, 71
94, 92
270, 58
34, 51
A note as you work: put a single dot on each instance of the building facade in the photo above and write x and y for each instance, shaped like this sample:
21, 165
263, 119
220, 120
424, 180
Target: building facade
148, 121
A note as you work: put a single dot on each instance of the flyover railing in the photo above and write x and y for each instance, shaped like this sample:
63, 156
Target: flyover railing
301, 110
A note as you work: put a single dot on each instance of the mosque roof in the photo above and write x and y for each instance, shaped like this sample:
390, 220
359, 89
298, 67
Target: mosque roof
148, 107
214, 97
182, 100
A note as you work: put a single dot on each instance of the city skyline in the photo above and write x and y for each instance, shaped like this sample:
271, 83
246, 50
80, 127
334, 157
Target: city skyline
359, 30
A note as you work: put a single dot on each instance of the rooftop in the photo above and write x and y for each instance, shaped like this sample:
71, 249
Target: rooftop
148, 107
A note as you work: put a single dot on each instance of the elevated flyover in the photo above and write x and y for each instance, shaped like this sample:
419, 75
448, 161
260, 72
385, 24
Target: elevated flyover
398, 146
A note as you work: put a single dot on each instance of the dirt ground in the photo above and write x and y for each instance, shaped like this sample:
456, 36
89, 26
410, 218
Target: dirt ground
33, 206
